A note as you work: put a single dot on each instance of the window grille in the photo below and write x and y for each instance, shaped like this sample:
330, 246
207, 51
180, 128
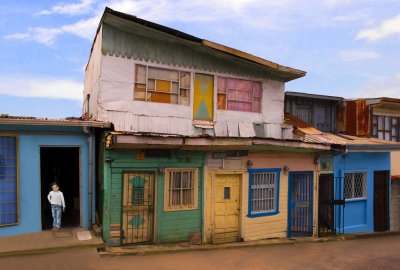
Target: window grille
355, 185
162, 85
263, 189
239, 95
181, 189
8, 181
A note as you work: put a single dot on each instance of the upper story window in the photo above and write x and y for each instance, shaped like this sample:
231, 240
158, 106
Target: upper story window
386, 127
239, 95
162, 85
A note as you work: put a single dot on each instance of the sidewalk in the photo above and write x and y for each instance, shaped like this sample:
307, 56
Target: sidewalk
48, 241
182, 247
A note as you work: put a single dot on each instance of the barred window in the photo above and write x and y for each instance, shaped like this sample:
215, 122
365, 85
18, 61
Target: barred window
263, 192
355, 185
8, 181
180, 189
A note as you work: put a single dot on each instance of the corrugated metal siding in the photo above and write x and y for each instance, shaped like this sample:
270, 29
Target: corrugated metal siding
354, 118
123, 44
363, 119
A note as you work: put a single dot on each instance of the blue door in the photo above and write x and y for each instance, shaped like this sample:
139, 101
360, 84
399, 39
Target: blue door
300, 210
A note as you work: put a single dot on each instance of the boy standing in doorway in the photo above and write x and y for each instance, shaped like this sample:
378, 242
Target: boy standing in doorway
56, 199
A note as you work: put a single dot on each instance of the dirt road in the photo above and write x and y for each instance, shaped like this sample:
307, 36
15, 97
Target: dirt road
375, 253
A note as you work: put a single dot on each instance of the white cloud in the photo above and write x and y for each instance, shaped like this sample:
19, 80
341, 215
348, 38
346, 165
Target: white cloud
247, 11
387, 28
40, 87
83, 7
384, 87
83, 28
357, 55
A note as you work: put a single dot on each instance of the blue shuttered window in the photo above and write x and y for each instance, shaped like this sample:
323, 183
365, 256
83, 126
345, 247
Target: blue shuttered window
263, 192
8, 181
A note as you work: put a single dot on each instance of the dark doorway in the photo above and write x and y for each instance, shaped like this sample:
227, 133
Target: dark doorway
326, 222
381, 207
61, 165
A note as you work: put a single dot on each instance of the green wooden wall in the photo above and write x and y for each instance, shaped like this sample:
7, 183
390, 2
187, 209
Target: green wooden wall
172, 226
160, 49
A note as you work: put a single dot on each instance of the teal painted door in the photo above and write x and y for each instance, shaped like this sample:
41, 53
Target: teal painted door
138, 207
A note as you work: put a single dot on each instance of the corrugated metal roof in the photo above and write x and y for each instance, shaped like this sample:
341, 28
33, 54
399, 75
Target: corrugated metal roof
300, 94
313, 135
286, 73
69, 121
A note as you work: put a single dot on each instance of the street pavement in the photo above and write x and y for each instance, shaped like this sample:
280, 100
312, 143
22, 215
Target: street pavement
372, 253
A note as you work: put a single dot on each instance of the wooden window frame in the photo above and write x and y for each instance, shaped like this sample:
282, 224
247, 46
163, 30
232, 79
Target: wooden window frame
183, 91
5, 168
387, 129
266, 212
168, 191
223, 96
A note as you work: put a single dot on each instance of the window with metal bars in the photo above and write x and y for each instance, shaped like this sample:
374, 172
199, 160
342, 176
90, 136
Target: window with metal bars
355, 185
180, 189
263, 192
8, 181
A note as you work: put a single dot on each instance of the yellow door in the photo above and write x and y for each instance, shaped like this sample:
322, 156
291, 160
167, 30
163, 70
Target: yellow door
226, 209
138, 207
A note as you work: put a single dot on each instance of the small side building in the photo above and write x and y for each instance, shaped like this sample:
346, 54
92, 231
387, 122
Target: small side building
36, 152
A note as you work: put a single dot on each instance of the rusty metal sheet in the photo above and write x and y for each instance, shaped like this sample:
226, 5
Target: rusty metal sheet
363, 119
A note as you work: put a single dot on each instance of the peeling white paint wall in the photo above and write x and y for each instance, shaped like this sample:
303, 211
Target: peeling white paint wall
92, 78
116, 104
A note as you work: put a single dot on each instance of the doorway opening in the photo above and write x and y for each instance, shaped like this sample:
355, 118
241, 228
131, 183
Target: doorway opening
61, 165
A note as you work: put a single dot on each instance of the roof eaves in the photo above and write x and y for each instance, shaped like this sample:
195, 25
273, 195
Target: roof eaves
283, 72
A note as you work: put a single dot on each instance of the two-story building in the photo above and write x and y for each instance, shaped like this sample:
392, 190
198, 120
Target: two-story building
354, 192
377, 118
200, 150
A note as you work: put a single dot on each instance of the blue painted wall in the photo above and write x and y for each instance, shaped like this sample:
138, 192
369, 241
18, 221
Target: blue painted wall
30, 183
359, 214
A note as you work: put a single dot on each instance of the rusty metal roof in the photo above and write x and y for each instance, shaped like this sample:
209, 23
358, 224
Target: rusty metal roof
68, 121
310, 134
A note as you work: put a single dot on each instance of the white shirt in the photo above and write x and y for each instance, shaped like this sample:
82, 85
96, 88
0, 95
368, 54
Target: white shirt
56, 197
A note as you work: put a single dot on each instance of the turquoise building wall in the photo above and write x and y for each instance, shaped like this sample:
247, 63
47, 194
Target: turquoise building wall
171, 226
29, 183
359, 213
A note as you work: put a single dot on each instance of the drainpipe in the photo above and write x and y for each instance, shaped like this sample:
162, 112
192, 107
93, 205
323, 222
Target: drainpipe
92, 190
90, 173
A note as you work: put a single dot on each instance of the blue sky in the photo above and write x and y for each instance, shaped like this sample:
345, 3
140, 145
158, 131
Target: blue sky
349, 48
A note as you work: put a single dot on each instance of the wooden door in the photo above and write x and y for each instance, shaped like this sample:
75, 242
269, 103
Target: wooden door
203, 102
138, 207
226, 208
381, 208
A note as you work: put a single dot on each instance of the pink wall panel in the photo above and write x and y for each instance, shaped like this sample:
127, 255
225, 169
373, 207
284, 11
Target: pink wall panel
295, 161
